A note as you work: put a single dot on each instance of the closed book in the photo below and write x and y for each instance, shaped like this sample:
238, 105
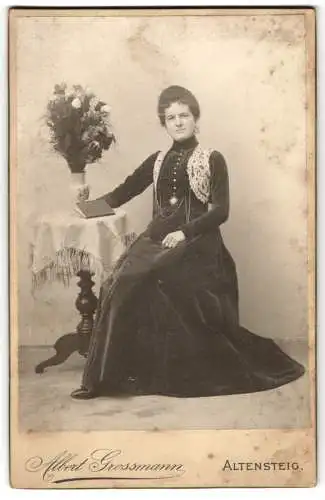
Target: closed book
94, 208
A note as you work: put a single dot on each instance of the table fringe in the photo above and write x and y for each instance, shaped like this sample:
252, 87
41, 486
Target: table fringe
69, 261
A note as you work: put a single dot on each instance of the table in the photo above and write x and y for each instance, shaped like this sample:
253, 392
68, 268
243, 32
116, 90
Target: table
64, 245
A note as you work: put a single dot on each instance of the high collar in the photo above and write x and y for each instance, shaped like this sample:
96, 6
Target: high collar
189, 143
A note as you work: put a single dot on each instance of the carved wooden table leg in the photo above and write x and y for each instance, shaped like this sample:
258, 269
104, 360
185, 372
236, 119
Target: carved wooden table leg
86, 304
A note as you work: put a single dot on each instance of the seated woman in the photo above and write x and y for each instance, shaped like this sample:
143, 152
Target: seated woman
167, 321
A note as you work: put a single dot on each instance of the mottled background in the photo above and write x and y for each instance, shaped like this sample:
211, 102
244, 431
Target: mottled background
248, 73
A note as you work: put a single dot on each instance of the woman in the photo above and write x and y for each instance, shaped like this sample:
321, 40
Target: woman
167, 321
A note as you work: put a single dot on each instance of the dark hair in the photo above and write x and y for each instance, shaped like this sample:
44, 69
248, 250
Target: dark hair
175, 93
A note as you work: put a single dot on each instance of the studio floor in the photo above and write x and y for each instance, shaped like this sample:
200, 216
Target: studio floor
45, 403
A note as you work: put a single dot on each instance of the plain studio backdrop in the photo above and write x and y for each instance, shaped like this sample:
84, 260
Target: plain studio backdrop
248, 73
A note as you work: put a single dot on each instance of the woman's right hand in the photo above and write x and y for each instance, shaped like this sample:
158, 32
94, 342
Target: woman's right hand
82, 193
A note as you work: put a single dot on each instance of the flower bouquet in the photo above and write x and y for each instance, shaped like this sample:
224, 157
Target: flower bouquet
80, 130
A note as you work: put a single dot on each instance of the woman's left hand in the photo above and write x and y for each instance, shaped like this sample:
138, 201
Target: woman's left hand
172, 239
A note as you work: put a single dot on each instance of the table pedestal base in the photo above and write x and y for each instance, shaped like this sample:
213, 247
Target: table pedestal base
86, 304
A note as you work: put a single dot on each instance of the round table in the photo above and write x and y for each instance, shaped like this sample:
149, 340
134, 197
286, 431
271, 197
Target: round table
64, 245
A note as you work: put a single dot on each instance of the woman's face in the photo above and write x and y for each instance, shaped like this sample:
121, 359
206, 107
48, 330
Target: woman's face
179, 121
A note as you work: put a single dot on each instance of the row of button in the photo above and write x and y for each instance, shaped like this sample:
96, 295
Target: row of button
173, 200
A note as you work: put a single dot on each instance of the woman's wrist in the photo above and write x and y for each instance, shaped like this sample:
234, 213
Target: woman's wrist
186, 230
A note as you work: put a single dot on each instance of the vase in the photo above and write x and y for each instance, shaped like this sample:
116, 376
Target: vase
79, 187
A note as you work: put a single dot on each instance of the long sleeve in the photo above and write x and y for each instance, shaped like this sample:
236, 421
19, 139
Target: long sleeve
133, 185
219, 186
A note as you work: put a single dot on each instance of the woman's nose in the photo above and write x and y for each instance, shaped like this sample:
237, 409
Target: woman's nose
178, 121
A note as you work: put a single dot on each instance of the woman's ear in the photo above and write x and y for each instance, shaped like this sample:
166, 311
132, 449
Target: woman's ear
197, 127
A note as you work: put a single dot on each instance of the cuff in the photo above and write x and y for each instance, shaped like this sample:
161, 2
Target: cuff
110, 200
188, 231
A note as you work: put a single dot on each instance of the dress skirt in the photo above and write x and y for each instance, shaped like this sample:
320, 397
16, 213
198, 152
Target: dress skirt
167, 323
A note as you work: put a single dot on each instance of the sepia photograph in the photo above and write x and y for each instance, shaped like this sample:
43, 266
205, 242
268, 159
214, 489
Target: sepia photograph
162, 251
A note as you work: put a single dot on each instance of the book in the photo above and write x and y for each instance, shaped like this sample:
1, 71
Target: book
94, 208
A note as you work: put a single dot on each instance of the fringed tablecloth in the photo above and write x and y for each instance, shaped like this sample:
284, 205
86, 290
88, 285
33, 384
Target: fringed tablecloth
64, 243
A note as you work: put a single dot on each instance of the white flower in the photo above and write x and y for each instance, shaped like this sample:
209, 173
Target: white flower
76, 103
106, 108
69, 93
88, 91
93, 102
57, 98
78, 90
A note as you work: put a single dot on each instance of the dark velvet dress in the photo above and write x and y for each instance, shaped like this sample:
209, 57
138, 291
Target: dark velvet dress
167, 320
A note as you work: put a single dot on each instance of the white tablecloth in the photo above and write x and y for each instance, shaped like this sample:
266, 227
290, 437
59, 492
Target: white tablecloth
63, 243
